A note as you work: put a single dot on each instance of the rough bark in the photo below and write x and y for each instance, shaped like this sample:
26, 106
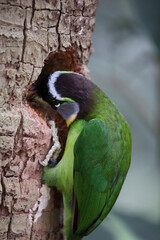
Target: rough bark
29, 30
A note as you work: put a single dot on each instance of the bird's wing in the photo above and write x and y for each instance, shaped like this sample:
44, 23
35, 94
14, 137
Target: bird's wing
97, 177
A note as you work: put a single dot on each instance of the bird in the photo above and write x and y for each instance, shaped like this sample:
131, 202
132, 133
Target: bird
97, 152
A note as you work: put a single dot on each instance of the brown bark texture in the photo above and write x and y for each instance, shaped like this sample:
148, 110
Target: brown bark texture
29, 30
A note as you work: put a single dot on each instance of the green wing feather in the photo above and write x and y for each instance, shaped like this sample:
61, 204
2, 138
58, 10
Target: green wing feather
98, 174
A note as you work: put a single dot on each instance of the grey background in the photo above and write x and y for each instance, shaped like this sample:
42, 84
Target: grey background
125, 66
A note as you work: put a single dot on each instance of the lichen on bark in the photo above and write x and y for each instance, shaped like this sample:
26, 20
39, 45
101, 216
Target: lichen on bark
29, 31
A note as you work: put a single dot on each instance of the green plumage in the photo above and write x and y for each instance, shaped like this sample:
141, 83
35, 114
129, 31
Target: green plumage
94, 165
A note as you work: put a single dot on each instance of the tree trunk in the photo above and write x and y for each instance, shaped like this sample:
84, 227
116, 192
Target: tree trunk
29, 30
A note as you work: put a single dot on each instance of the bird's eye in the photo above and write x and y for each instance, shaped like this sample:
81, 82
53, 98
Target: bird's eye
57, 105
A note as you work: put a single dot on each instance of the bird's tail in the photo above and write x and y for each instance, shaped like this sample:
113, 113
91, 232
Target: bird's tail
67, 230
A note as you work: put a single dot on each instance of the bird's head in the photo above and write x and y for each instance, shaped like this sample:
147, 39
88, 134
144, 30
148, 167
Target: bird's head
70, 93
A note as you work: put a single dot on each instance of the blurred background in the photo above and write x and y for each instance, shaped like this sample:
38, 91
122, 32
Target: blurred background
126, 66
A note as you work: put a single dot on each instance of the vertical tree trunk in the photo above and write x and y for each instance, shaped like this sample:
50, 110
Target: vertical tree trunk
29, 30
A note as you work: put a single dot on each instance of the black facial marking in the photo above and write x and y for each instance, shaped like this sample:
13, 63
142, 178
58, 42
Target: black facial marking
78, 88
43, 91
42, 86
70, 85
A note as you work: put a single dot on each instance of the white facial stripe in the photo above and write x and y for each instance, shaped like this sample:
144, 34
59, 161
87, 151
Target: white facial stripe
51, 84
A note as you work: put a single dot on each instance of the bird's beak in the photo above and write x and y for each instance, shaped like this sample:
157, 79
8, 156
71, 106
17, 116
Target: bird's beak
71, 119
69, 111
